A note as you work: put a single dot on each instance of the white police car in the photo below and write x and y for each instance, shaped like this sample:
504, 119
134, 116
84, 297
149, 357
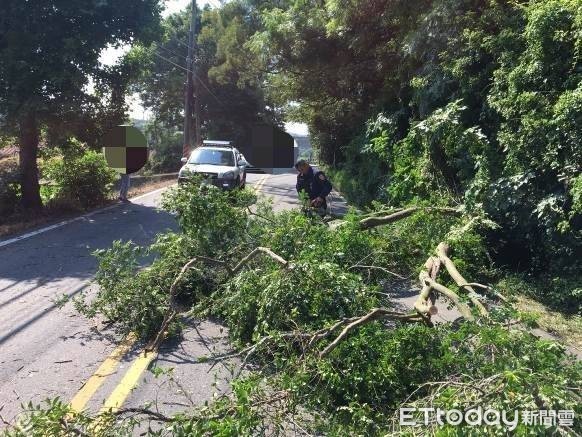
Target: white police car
218, 163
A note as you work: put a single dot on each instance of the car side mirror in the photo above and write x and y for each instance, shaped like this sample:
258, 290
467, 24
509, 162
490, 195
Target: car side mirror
242, 163
184, 160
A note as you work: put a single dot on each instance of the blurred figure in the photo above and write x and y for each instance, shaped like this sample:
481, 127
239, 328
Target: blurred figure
124, 187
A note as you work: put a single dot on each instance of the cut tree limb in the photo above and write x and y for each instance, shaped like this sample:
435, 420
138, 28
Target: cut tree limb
372, 222
422, 304
375, 314
443, 254
454, 297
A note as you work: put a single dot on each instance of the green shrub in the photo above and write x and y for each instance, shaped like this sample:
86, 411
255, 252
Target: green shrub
9, 189
562, 293
165, 148
77, 174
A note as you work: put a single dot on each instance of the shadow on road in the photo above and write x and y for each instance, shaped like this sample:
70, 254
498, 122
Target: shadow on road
36, 271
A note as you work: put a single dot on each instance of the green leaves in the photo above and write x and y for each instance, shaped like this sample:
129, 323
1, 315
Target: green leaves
78, 175
268, 299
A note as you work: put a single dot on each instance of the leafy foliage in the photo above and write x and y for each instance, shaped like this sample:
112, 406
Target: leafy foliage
258, 302
79, 175
466, 102
214, 218
228, 76
9, 189
48, 53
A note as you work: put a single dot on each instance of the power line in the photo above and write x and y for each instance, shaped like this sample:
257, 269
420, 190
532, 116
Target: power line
175, 38
195, 75
208, 89
171, 51
172, 62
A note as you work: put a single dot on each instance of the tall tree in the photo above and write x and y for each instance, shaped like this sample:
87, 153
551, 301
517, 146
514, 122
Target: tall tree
229, 77
48, 52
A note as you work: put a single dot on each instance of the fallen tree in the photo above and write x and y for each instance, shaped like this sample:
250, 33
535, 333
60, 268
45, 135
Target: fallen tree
424, 305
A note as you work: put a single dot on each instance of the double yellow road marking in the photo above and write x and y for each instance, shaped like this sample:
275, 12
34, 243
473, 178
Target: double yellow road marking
131, 377
129, 381
105, 369
260, 183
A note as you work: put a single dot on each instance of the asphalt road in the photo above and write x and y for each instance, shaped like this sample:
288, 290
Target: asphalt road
47, 351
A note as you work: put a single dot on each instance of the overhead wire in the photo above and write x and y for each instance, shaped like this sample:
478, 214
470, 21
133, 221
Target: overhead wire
172, 62
193, 74
175, 38
171, 52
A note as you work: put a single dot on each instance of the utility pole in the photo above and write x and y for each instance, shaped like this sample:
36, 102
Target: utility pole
189, 104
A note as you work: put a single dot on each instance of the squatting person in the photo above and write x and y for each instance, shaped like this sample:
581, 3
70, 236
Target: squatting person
314, 184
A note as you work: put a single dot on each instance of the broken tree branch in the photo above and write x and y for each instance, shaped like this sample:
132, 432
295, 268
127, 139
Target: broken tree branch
422, 304
254, 253
372, 222
172, 312
454, 297
488, 289
375, 314
442, 252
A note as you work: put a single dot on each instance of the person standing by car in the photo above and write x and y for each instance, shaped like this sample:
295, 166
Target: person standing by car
314, 184
124, 187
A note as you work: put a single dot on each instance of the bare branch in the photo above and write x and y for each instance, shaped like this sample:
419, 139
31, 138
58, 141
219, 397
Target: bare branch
442, 252
372, 222
256, 252
375, 314
144, 412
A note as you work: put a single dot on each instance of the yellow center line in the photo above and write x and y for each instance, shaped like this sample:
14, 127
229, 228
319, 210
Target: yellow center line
105, 369
131, 377
129, 381
260, 183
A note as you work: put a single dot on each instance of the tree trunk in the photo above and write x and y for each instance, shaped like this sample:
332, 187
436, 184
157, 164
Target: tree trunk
28, 138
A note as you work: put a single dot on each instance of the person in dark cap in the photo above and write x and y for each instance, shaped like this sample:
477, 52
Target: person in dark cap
314, 184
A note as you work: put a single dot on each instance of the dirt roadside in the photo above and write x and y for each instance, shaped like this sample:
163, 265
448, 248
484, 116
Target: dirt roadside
24, 222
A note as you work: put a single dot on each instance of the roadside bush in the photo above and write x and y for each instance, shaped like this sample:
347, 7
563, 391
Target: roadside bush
77, 174
9, 189
563, 293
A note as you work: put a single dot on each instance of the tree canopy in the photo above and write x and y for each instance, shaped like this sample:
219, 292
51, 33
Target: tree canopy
48, 53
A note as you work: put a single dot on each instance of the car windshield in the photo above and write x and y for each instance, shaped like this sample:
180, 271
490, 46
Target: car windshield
212, 156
